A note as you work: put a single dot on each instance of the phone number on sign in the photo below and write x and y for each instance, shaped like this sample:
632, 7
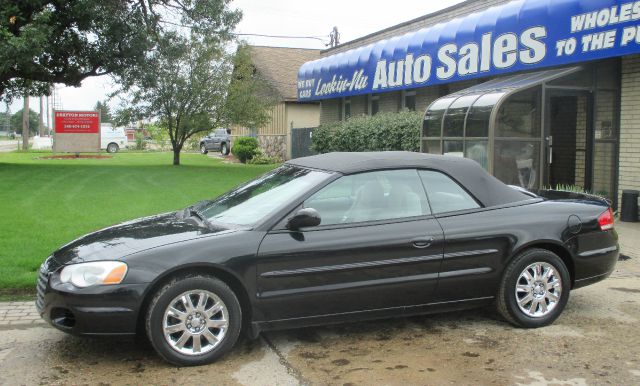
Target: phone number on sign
77, 126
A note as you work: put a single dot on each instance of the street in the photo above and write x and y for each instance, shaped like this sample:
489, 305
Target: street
594, 342
8, 145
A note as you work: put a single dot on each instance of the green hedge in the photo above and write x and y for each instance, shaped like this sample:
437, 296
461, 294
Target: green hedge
383, 131
244, 148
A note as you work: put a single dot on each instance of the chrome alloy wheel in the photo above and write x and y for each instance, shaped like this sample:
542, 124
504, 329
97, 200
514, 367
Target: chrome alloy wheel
195, 322
538, 289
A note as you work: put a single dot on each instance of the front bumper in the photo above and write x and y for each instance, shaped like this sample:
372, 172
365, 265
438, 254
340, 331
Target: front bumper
99, 310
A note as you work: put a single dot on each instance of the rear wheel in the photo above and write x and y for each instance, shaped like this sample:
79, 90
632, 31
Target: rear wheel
534, 289
224, 149
112, 148
203, 149
193, 320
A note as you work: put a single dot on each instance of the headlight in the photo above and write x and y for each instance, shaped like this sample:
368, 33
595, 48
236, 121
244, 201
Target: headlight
94, 273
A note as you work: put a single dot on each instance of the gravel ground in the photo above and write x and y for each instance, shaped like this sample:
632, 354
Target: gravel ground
595, 342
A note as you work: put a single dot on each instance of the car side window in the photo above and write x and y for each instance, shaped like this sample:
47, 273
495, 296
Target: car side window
445, 195
381, 195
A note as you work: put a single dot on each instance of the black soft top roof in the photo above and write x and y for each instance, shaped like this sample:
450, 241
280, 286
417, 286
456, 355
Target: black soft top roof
486, 188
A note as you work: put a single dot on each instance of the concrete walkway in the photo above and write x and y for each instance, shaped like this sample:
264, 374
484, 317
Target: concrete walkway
19, 313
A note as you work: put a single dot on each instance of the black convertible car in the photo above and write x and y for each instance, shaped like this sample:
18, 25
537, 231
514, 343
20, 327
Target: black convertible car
324, 239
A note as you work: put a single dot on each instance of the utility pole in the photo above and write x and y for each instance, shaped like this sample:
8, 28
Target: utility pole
48, 118
335, 37
25, 123
41, 121
7, 119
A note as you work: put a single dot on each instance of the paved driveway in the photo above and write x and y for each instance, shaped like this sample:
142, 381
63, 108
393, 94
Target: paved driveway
596, 341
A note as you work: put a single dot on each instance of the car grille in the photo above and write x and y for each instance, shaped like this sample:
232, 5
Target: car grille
40, 288
49, 266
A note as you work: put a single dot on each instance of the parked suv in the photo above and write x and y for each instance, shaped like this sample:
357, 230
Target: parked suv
219, 139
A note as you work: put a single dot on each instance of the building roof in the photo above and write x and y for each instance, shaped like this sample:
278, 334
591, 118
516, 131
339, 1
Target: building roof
279, 67
486, 188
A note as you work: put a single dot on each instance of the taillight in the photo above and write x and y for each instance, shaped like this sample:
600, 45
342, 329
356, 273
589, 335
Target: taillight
606, 220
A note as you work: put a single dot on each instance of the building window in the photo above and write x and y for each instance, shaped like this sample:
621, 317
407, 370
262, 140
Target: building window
374, 104
409, 100
346, 108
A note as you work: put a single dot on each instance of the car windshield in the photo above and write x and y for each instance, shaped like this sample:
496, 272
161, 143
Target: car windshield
254, 201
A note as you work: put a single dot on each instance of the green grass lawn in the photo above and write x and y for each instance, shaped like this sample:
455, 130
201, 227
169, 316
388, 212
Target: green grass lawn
47, 203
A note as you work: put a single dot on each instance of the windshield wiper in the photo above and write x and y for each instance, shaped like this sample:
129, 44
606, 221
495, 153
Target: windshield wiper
192, 211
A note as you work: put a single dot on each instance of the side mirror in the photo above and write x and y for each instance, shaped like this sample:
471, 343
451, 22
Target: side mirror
305, 217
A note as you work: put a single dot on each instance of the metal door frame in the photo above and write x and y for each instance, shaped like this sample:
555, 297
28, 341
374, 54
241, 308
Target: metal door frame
547, 93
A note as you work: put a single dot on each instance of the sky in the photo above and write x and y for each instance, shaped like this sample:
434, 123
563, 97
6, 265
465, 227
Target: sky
354, 18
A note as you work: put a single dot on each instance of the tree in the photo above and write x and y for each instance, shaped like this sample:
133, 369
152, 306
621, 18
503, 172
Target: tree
5, 121
16, 122
250, 98
105, 112
51, 41
184, 89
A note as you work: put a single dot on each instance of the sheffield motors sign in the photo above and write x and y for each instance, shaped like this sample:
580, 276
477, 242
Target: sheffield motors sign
520, 35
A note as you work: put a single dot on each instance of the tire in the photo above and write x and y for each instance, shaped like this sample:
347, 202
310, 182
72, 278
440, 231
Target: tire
203, 149
183, 352
112, 148
224, 149
533, 288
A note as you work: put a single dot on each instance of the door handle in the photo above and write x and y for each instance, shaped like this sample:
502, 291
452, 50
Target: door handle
422, 242
550, 148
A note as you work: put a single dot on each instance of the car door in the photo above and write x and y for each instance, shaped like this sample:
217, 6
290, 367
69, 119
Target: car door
216, 140
377, 247
476, 240
207, 141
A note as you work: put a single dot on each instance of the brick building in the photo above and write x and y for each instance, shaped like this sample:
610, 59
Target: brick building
540, 93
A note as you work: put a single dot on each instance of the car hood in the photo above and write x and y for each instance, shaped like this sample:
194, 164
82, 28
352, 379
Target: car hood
127, 238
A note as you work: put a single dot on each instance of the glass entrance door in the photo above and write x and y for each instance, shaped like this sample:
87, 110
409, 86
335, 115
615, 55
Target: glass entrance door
568, 130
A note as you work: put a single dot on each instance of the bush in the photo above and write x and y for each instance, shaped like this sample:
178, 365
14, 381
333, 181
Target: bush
245, 148
262, 159
141, 144
381, 132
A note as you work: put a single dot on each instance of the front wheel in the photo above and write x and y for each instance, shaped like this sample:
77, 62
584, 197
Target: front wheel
112, 148
193, 320
203, 149
534, 289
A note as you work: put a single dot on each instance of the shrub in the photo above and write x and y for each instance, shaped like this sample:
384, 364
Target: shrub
245, 148
141, 144
262, 159
383, 131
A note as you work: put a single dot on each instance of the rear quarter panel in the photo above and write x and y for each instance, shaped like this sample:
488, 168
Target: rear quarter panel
479, 245
595, 252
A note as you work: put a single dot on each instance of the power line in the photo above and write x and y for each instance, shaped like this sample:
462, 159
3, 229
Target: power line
320, 38
279, 36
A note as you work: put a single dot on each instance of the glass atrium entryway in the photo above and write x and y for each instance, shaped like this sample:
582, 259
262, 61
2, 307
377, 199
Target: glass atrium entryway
534, 130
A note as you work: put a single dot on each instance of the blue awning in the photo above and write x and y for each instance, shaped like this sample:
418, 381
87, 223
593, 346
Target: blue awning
516, 36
